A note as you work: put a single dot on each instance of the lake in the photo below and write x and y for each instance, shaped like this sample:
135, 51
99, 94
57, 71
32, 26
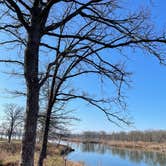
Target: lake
102, 155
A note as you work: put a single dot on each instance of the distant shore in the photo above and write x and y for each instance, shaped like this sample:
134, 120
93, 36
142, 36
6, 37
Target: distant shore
136, 145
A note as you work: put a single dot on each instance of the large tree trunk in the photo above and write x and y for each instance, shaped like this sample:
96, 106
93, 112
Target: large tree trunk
32, 103
43, 152
10, 135
29, 137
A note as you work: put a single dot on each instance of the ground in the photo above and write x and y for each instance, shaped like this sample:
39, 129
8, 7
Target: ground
10, 154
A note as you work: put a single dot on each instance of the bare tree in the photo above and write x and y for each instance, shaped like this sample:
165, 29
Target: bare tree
80, 32
60, 120
13, 118
145, 136
3, 130
54, 120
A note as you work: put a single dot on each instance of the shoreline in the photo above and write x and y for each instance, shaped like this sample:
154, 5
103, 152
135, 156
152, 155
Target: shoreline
10, 154
139, 145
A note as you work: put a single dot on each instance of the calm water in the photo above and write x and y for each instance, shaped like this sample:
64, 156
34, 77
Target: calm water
102, 155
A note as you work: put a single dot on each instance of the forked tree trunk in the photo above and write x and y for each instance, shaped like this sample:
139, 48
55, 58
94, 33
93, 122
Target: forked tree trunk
32, 103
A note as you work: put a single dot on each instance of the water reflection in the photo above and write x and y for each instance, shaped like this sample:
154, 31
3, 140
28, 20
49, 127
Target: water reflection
134, 156
151, 158
91, 147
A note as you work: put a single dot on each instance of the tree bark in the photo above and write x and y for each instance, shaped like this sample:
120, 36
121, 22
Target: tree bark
10, 135
32, 103
29, 137
43, 152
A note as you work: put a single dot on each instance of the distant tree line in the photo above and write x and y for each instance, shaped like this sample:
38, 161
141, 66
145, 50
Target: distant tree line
146, 136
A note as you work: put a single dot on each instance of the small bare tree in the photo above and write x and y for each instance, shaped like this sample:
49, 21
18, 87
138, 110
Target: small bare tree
3, 129
13, 118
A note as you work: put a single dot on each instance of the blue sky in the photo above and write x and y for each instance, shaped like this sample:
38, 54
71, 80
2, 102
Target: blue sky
146, 98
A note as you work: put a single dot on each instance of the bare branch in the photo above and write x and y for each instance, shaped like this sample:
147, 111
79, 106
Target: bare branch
69, 17
95, 103
25, 5
12, 62
19, 13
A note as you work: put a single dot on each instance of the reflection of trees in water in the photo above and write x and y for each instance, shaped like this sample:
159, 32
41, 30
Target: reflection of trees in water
88, 147
102, 149
92, 147
134, 156
151, 158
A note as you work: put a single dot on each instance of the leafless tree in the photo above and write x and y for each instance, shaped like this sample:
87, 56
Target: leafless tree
3, 130
54, 120
136, 135
75, 34
60, 120
13, 118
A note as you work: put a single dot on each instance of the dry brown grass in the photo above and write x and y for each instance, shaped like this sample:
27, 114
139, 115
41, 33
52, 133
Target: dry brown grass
10, 154
139, 145
147, 146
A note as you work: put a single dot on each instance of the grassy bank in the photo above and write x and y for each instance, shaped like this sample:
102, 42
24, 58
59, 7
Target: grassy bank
10, 154
137, 145
146, 146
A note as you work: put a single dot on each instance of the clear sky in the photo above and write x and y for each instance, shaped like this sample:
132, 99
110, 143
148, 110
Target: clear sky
146, 98
147, 95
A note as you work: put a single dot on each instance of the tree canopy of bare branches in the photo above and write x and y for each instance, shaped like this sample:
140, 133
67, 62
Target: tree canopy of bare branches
72, 38
13, 118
